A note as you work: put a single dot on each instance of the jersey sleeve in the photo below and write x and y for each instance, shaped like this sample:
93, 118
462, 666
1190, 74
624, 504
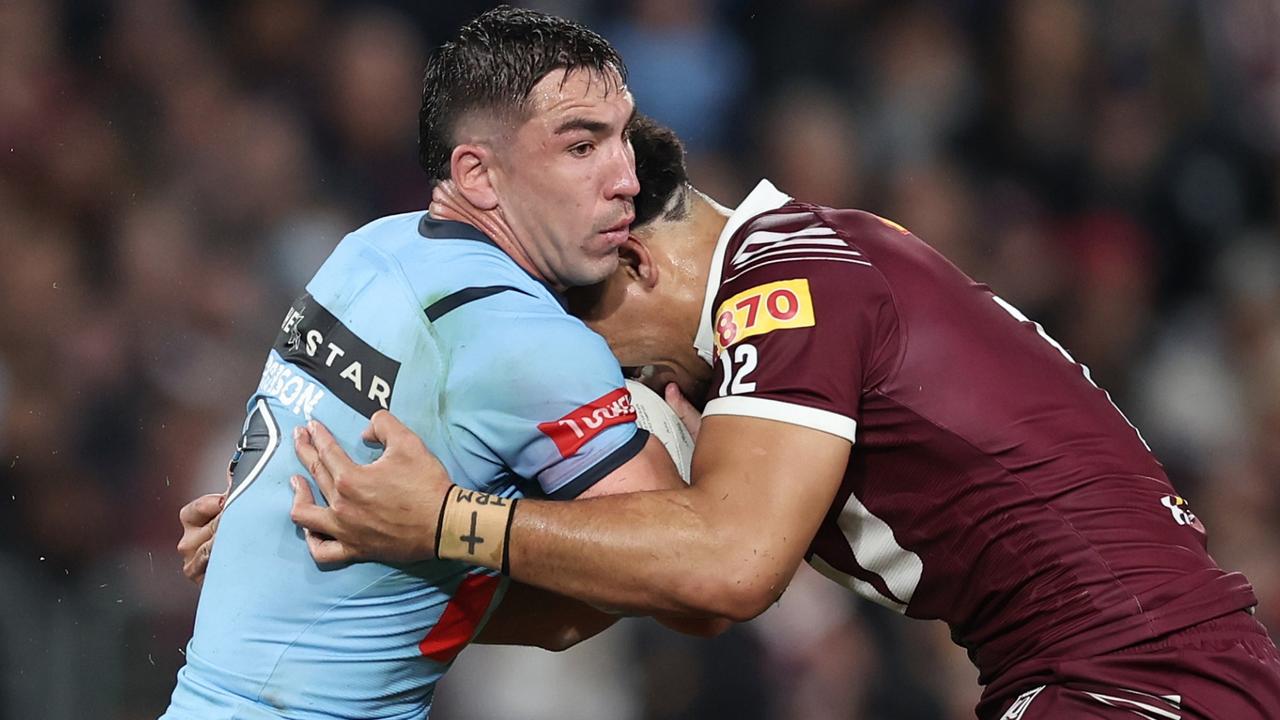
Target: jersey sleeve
799, 340
540, 391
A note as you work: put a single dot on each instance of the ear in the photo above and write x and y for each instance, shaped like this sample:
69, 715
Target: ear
634, 255
469, 166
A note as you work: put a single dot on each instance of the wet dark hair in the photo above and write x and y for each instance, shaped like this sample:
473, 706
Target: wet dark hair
664, 180
492, 66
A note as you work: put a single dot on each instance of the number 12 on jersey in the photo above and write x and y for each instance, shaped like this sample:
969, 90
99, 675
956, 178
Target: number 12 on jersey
735, 378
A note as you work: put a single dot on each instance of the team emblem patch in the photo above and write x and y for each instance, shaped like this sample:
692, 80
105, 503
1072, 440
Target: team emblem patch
576, 429
1180, 510
1020, 704
762, 309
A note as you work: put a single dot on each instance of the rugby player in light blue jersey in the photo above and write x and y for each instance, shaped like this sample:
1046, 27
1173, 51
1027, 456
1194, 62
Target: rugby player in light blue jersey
453, 321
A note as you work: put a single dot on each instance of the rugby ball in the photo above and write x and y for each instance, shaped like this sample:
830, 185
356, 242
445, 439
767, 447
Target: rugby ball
655, 415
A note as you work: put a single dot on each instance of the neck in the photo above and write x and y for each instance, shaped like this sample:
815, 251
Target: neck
449, 204
710, 217
706, 222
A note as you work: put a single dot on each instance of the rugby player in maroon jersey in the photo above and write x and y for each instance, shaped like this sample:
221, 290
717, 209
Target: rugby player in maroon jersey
877, 413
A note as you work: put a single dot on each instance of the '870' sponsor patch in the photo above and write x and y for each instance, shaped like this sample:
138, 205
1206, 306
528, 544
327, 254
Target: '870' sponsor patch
762, 309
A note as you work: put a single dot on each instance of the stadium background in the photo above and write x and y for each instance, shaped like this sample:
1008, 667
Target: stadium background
171, 173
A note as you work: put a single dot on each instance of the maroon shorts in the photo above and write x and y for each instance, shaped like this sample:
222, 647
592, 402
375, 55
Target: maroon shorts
1224, 669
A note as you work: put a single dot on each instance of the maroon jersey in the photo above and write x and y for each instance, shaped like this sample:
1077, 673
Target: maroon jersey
991, 484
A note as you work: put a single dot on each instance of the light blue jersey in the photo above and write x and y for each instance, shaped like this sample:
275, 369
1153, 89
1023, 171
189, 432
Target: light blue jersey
432, 321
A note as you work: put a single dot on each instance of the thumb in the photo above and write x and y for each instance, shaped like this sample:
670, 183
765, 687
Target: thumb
201, 511
386, 429
684, 409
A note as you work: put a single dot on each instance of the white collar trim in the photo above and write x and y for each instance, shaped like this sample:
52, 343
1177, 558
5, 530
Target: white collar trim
763, 198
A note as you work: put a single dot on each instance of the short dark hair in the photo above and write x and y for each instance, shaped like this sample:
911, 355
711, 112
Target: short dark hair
660, 168
493, 65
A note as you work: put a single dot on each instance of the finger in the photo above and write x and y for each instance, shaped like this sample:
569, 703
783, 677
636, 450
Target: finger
676, 399
332, 456
200, 511
370, 434
684, 409
309, 455
327, 550
193, 538
196, 566
201, 560
306, 513
190, 572
387, 430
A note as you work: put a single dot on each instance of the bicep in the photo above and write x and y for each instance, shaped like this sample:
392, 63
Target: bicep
803, 350
650, 469
771, 483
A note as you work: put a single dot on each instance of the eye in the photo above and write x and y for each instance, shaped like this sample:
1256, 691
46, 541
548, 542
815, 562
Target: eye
582, 149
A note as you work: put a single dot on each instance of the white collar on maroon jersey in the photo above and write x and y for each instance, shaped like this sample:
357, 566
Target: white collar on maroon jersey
763, 198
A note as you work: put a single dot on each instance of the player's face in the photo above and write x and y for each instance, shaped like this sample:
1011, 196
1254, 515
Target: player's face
566, 180
648, 308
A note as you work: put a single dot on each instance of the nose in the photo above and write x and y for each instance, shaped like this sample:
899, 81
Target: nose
625, 183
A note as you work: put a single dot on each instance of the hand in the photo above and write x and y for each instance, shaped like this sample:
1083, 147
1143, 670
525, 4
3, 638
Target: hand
685, 410
385, 511
199, 524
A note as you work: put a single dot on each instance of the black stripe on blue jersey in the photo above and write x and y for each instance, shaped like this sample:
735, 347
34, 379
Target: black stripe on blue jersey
455, 300
429, 227
316, 341
600, 470
435, 229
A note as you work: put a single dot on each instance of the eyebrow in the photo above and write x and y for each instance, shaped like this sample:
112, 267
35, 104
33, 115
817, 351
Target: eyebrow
580, 123
595, 127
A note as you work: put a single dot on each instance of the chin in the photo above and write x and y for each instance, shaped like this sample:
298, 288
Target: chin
592, 273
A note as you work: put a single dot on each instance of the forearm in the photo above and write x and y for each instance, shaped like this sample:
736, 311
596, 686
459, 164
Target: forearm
667, 552
725, 547
537, 618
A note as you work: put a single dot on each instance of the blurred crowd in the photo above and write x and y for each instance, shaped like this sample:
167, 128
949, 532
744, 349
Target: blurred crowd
171, 173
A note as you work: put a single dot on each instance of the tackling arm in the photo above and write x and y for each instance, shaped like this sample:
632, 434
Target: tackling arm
388, 511
540, 618
727, 546
724, 547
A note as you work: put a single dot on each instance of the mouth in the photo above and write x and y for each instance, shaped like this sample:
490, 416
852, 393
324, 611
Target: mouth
617, 232
623, 225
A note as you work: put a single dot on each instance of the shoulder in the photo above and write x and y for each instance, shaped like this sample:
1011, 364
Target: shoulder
800, 231
799, 281
798, 237
780, 262
369, 250
363, 270
509, 331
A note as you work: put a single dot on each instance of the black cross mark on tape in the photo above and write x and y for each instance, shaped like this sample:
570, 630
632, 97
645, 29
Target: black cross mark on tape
472, 540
